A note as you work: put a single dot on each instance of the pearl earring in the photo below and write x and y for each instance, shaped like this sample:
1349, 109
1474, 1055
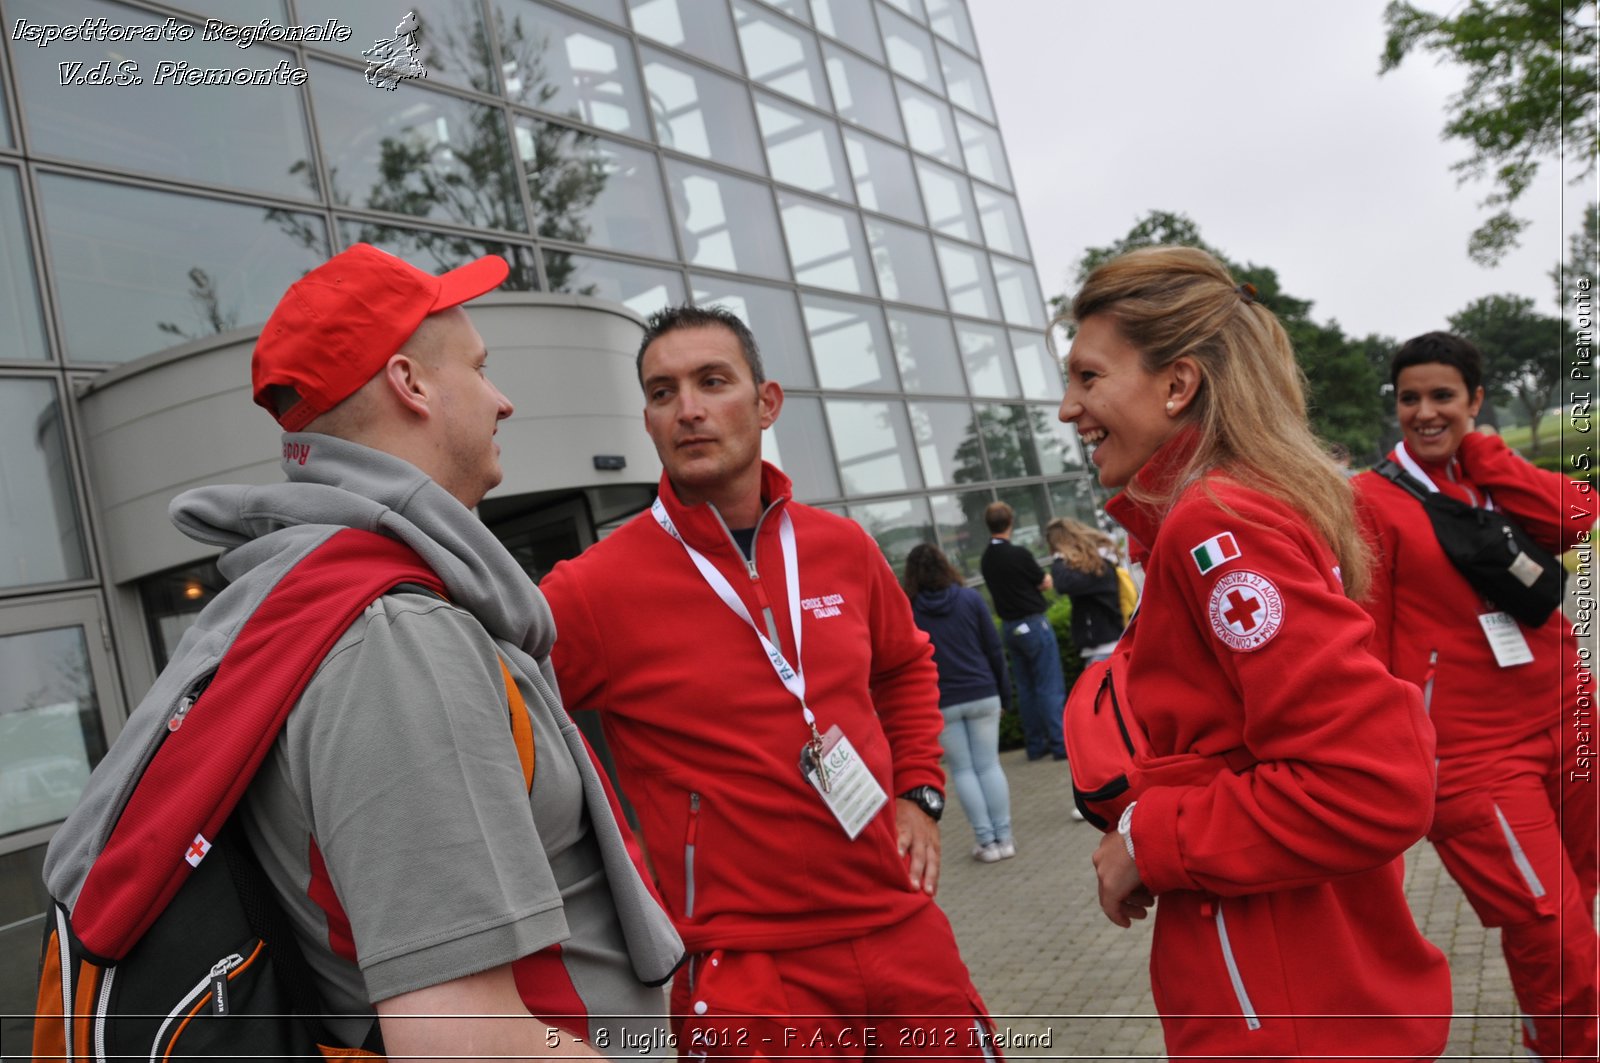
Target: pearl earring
1170, 405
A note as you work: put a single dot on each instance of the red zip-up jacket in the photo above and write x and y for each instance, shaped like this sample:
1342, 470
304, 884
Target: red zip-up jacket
1426, 611
707, 740
1281, 923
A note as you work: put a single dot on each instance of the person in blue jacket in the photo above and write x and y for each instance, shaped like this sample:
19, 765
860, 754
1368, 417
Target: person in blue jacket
974, 687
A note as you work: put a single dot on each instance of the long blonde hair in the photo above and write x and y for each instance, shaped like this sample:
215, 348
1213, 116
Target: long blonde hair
1250, 407
1078, 544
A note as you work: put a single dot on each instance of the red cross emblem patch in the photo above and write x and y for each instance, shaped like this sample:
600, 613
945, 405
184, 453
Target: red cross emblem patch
1246, 610
197, 850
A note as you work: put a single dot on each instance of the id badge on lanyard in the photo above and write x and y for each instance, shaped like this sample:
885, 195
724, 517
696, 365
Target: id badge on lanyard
1505, 639
829, 763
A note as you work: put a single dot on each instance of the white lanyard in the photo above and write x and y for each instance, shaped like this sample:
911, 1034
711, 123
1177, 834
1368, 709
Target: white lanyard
1410, 465
793, 679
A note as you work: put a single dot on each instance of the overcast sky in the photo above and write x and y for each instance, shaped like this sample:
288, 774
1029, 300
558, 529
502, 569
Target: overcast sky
1267, 124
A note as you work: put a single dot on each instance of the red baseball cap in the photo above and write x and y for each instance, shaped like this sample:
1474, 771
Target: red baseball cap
337, 326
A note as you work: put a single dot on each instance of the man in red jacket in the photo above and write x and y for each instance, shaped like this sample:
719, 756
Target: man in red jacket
1515, 817
773, 711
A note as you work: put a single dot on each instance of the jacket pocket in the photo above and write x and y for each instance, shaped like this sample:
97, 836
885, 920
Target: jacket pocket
1487, 852
691, 838
1235, 977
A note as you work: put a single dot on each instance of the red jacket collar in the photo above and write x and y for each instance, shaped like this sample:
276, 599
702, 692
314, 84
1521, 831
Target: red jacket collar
1143, 519
702, 527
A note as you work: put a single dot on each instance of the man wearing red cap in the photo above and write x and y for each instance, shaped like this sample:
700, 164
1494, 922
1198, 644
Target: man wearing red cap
774, 713
423, 874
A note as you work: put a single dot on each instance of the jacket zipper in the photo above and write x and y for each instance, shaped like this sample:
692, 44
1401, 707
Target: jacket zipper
219, 972
63, 943
750, 568
1427, 683
102, 1008
1519, 857
1251, 1021
688, 855
1116, 710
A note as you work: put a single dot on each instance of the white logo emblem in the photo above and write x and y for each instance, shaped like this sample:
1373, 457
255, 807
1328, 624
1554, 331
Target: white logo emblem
392, 61
1246, 610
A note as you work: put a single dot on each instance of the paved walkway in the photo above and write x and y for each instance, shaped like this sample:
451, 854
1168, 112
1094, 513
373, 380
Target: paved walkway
1067, 984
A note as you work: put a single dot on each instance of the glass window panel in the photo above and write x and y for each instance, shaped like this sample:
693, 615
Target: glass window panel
1021, 302
798, 444
910, 49
803, 148
963, 77
1031, 506
1075, 498
1059, 449
905, 268
436, 157
39, 521
6, 136
642, 289
874, 444
925, 348
793, 8
963, 535
780, 55
947, 441
980, 144
826, 245
610, 10
21, 321
967, 280
1007, 442
726, 222
862, 93
23, 904
137, 271
896, 525
773, 319
451, 45
948, 196
701, 29
50, 731
987, 356
929, 127
1037, 369
1002, 221
701, 113
594, 191
241, 136
567, 66
437, 252
883, 176
913, 8
172, 602
850, 344
949, 19
849, 21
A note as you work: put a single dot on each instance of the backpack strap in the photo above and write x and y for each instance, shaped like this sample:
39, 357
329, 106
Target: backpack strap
206, 761
1390, 470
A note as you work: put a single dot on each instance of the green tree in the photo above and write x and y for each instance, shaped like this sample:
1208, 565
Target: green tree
1521, 352
1582, 256
1342, 386
1530, 94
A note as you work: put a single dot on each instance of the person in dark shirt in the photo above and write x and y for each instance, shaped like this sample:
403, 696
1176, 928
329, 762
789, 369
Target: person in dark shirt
973, 689
1016, 583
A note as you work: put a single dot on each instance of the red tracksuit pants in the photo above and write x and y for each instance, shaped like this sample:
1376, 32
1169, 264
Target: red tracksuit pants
898, 991
1517, 829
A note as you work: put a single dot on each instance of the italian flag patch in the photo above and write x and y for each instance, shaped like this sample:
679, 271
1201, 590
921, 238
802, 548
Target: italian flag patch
1214, 551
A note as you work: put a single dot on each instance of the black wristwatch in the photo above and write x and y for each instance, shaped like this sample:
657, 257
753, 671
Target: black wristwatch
927, 798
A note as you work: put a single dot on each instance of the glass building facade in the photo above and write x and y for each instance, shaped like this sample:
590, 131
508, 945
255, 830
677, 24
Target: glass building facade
831, 170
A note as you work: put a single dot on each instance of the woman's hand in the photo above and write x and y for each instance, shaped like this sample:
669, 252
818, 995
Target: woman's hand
1122, 896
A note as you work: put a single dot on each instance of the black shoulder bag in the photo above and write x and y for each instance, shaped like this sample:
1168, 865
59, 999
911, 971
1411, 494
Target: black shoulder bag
1491, 550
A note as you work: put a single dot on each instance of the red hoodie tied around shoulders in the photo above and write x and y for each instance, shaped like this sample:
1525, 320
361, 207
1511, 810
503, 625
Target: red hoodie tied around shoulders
1281, 927
707, 739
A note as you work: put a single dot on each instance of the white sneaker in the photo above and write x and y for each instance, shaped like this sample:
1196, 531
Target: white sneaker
987, 854
1006, 849
1076, 814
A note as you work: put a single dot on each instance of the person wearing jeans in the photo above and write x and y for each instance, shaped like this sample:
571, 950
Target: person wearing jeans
973, 688
1016, 583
